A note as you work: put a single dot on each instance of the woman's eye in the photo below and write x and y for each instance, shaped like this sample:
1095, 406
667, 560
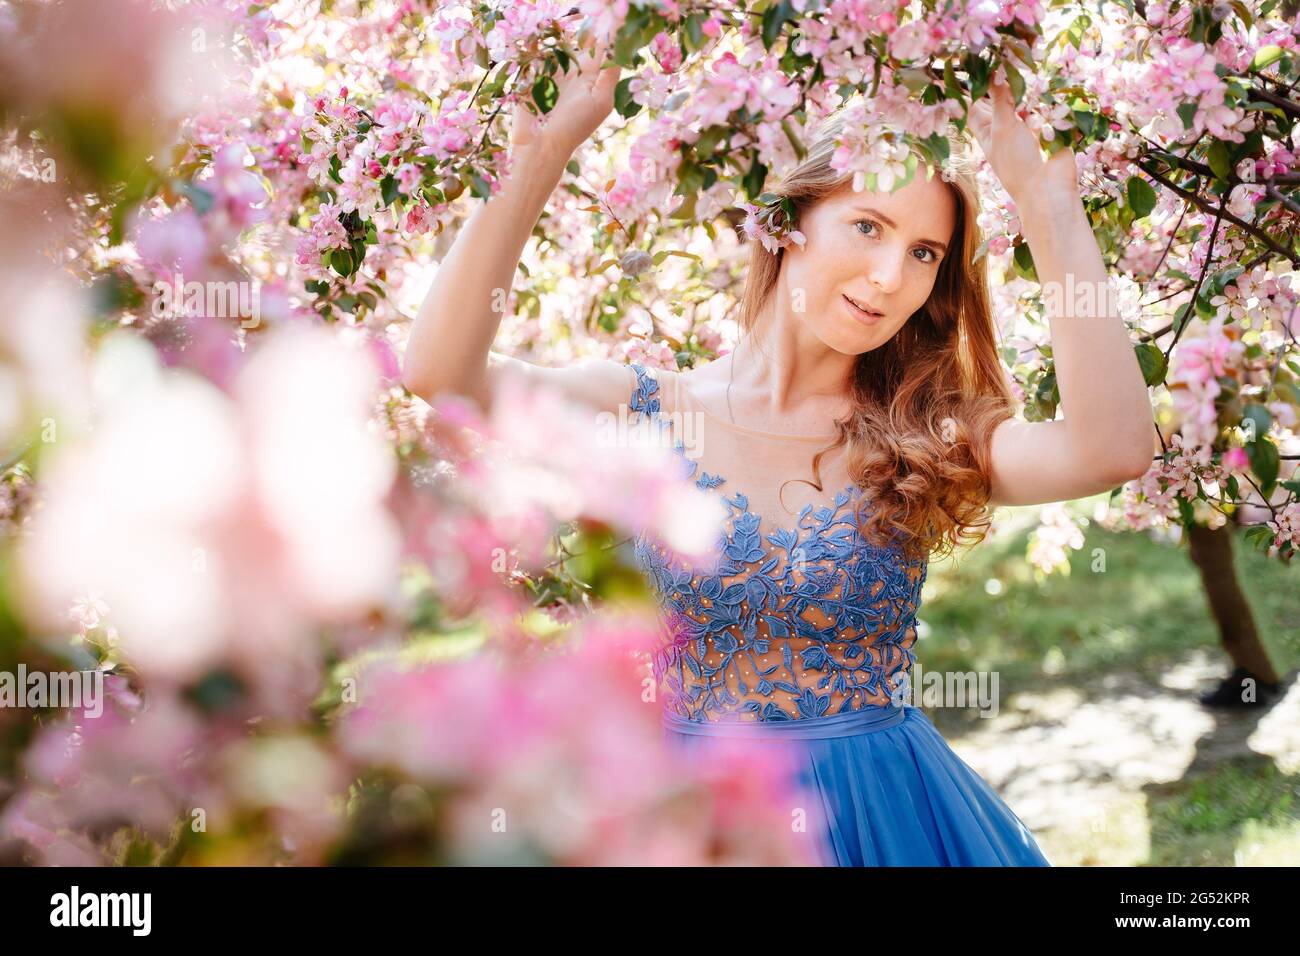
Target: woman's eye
930, 253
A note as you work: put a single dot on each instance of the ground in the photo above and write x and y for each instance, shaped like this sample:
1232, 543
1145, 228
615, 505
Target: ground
1100, 744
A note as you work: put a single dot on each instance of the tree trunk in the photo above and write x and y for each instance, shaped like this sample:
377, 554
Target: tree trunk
1211, 552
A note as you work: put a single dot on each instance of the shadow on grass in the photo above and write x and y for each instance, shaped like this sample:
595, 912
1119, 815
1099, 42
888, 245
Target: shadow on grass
1104, 638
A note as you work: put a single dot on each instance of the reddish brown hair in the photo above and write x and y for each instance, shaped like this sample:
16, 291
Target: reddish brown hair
927, 401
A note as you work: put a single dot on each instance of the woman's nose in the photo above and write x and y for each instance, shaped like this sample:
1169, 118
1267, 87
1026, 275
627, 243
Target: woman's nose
886, 272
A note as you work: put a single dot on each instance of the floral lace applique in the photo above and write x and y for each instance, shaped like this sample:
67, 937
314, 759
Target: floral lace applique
796, 623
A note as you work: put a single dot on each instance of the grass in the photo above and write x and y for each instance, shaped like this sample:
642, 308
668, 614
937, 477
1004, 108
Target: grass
1146, 609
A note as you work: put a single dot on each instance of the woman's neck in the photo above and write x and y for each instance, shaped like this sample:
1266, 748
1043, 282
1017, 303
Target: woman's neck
783, 371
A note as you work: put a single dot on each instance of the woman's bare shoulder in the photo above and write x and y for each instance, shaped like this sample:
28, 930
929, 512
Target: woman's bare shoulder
603, 383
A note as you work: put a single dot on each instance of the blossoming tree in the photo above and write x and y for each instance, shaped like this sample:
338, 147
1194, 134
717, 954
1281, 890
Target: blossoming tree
219, 216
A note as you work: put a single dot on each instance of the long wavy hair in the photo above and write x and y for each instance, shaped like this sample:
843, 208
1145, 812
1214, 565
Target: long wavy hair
926, 402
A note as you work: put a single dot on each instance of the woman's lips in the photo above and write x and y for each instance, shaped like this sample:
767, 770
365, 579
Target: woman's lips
866, 318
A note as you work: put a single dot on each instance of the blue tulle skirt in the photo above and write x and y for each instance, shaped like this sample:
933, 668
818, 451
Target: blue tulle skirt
885, 788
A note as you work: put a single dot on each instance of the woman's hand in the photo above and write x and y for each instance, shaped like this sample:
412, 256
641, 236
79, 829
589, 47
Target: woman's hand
1012, 149
585, 98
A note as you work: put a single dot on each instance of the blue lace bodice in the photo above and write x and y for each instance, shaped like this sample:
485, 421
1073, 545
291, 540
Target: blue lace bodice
788, 624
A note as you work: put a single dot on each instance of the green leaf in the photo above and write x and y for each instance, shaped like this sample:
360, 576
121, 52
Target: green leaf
754, 179
1187, 113
1266, 56
708, 142
1217, 158
623, 102
774, 17
1014, 80
1023, 260
1153, 363
796, 144
1287, 391
686, 210
1221, 279
695, 30
1259, 536
479, 186
663, 254
1264, 462
1141, 197
341, 261
388, 186
914, 78
950, 85
628, 39
545, 93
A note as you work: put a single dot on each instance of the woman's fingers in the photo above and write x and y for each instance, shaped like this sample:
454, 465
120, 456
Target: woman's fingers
1004, 103
584, 70
980, 119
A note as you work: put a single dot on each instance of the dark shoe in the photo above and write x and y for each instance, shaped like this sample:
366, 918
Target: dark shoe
1232, 693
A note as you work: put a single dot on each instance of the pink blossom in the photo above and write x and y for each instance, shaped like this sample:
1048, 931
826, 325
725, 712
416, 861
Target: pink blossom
173, 243
1235, 461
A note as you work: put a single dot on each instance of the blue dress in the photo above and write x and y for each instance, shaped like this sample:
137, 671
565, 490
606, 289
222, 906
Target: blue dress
742, 664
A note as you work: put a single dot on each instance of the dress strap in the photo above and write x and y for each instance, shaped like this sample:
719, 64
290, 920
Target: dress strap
645, 394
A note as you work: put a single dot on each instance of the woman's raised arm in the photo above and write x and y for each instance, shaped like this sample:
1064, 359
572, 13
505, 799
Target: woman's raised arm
1107, 435
449, 349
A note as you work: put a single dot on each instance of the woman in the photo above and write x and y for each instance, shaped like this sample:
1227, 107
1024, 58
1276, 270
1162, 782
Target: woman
862, 423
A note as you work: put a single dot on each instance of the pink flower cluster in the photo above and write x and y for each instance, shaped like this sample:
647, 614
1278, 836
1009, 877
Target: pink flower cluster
520, 26
1286, 529
326, 233
1194, 371
1182, 71
453, 129
1151, 501
758, 225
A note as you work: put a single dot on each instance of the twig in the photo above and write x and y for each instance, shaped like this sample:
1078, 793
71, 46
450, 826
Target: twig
1289, 203
1205, 268
1236, 221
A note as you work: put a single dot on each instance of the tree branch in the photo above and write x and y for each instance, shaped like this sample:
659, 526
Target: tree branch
1236, 221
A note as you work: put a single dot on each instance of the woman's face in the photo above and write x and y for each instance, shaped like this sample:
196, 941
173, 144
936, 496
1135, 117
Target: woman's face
878, 250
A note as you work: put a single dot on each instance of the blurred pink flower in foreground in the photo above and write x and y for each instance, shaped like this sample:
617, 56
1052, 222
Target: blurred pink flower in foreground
566, 757
218, 529
571, 460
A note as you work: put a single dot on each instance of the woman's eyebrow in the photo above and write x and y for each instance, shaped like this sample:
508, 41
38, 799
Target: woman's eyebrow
934, 243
